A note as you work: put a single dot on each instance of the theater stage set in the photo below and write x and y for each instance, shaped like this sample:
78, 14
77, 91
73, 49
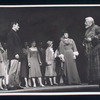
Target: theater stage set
49, 23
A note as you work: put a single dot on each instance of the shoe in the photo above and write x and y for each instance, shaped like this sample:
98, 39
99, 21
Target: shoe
5, 88
91, 83
51, 84
26, 86
11, 88
34, 86
1, 88
19, 87
42, 85
55, 83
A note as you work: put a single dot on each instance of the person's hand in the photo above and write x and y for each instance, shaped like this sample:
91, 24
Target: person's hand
89, 39
48, 64
74, 57
83, 44
29, 64
40, 63
0, 61
96, 37
62, 66
76, 53
17, 56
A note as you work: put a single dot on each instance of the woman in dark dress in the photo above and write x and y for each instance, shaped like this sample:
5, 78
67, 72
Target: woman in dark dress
59, 67
68, 48
24, 66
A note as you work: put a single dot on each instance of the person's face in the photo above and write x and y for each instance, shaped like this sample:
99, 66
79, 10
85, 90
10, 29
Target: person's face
5, 46
34, 44
16, 26
66, 35
51, 45
41, 44
88, 23
26, 43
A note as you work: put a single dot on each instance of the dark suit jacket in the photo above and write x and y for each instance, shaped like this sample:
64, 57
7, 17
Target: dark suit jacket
13, 45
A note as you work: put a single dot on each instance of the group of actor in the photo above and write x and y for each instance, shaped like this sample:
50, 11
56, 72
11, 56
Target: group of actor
38, 66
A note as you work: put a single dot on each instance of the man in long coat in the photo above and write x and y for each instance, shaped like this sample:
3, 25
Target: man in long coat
14, 56
92, 45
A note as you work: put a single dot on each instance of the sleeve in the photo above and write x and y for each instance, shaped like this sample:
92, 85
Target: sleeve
1, 49
56, 53
38, 55
96, 38
97, 31
1, 58
74, 46
48, 56
61, 47
28, 56
10, 44
75, 51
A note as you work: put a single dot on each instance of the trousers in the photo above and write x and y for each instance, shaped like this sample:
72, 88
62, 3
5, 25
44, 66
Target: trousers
14, 72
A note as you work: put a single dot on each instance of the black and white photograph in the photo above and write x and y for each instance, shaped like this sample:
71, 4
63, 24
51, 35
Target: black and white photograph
50, 49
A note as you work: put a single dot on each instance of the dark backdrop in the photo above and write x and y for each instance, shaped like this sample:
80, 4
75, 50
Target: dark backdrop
42, 24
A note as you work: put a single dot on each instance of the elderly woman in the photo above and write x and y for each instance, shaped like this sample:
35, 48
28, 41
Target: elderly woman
92, 45
68, 49
50, 60
34, 63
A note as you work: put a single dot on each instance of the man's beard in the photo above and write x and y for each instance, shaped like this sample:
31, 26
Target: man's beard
87, 26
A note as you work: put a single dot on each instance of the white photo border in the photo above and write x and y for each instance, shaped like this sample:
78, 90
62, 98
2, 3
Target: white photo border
53, 93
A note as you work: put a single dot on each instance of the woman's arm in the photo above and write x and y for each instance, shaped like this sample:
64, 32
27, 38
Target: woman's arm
48, 56
28, 57
39, 59
61, 47
75, 51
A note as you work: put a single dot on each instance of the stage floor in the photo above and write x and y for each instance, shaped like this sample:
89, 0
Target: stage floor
57, 89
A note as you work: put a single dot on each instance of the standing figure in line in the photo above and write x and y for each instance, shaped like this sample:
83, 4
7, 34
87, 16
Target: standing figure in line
14, 52
5, 64
34, 63
24, 64
2, 68
42, 56
50, 60
92, 45
68, 48
59, 67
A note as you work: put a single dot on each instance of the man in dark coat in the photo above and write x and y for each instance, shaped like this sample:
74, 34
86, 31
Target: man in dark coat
92, 45
14, 55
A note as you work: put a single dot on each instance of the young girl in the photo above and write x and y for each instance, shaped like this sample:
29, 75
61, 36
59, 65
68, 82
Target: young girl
2, 68
50, 60
34, 63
